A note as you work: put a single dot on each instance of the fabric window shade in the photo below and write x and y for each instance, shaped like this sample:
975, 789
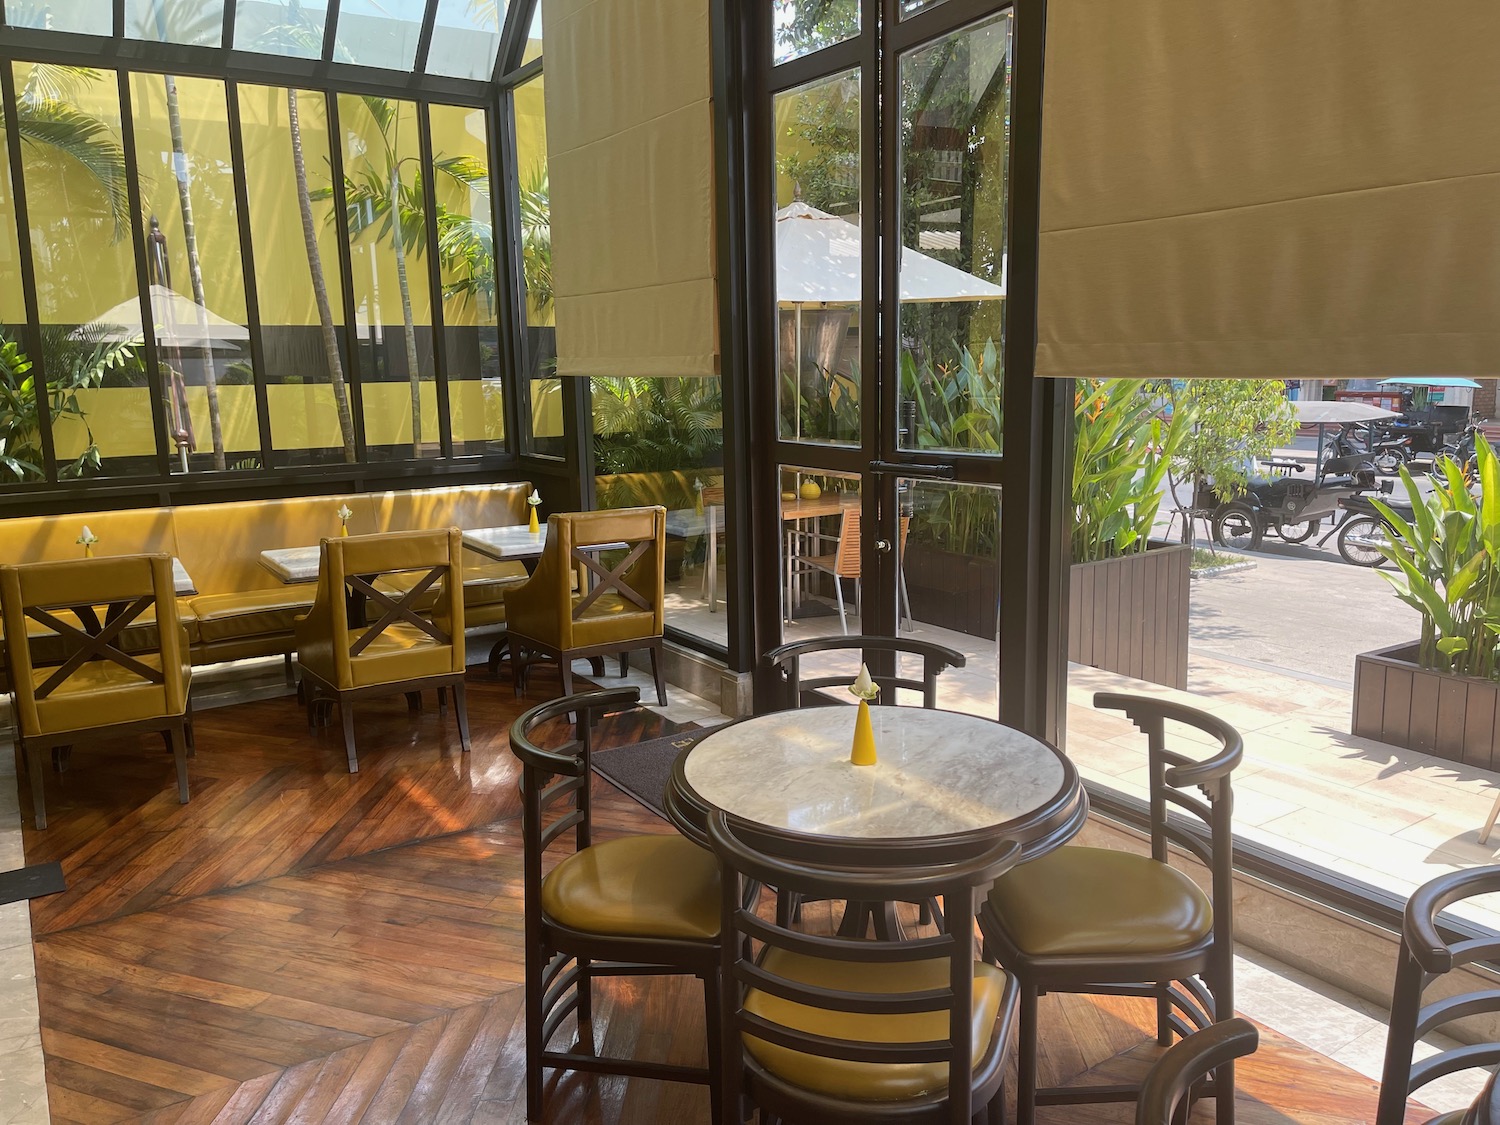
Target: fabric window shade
1286, 189
631, 166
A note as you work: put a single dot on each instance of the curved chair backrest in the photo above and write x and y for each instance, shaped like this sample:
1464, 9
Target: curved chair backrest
1173, 779
1190, 1061
1425, 955
935, 658
347, 568
801, 866
558, 775
60, 597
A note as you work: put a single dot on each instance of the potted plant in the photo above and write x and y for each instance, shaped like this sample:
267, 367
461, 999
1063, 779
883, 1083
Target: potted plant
1127, 596
1439, 693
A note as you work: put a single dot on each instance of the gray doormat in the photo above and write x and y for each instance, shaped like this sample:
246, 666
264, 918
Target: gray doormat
31, 882
643, 770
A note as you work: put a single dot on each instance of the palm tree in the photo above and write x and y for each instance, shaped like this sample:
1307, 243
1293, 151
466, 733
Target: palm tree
380, 199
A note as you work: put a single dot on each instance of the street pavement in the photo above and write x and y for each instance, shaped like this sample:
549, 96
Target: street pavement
1302, 609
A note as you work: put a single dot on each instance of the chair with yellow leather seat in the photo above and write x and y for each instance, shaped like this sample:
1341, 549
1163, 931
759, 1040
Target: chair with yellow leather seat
401, 650
94, 682
843, 1031
617, 609
1092, 919
640, 905
1428, 953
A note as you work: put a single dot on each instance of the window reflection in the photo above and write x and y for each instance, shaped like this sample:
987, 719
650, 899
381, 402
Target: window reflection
199, 22
466, 38
79, 213
294, 29
380, 33
799, 27
546, 431
91, 17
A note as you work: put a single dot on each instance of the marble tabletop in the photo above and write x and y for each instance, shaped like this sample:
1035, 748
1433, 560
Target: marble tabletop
939, 774
515, 543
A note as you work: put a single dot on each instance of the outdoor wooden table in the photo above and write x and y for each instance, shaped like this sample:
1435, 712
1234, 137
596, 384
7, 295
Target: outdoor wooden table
945, 785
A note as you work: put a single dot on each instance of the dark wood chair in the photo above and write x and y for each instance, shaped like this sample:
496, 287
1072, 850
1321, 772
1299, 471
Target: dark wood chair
799, 691
1098, 920
1426, 955
404, 651
844, 1031
1188, 1063
636, 906
92, 681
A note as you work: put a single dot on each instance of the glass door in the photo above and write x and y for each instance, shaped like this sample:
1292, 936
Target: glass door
889, 165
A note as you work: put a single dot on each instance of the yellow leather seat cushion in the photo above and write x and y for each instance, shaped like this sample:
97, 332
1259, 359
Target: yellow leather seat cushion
640, 886
1456, 1117
1095, 900
843, 1078
97, 694
612, 618
251, 613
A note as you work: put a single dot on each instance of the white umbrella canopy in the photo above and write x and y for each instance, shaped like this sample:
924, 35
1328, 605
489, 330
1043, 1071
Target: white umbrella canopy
818, 263
180, 322
1316, 413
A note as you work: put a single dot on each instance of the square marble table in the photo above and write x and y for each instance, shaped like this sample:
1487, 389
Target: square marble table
515, 543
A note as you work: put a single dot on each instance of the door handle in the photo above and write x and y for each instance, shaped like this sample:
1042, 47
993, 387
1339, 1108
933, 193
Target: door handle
933, 472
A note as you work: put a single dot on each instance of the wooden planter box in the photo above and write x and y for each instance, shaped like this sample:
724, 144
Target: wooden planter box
952, 591
1130, 615
1438, 713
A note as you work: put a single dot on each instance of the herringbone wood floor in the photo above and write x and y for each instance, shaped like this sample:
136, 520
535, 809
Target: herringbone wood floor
301, 945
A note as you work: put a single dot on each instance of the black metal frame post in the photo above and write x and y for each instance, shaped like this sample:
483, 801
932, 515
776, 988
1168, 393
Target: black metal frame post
247, 266
441, 370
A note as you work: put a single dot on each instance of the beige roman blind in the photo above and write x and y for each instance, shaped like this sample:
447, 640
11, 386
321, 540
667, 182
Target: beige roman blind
631, 169
1282, 189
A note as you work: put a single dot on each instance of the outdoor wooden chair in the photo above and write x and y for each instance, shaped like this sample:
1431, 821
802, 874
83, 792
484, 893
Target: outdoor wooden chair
341, 660
845, 1031
844, 561
1426, 955
636, 906
619, 611
1097, 920
97, 687
1188, 1063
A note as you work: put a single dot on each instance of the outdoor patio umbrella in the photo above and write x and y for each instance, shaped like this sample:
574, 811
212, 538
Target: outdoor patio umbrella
179, 321
1314, 413
818, 264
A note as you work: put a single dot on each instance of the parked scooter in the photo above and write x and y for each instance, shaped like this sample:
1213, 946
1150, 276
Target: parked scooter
1389, 452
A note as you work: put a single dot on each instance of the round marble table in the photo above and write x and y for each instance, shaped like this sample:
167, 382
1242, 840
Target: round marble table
944, 783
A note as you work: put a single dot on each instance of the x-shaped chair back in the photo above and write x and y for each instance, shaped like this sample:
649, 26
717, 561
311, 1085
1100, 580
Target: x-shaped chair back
350, 566
61, 596
637, 578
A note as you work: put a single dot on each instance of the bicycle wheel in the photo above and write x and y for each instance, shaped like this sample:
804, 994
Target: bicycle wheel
1360, 539
1236, 527
1299, 532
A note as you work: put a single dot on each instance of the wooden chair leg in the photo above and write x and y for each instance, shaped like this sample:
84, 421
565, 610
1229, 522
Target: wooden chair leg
461, 711
187, 730
584, 1014
536, 961
624, 663
413, 700
289, 670
178, 739
497, 651
596, 665
38, 801
346, 713
442, 694
1026, 1057
1164, 1014
565, 667
711, 1018
518, 667
1489, 824
658, 674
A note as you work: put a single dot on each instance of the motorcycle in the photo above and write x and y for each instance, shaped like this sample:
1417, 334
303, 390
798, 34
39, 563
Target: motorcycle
1389, 451
1280, 503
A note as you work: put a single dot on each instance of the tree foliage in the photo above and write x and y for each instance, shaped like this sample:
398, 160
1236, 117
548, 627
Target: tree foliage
1226, 424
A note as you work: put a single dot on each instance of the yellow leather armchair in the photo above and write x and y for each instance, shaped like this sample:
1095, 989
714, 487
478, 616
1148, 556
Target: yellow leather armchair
92, 681
617, 609
400, 650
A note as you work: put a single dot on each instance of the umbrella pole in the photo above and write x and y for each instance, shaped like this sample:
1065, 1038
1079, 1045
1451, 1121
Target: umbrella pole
797, 347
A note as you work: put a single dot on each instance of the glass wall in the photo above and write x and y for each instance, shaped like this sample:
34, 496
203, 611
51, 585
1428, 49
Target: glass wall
536, 270
222, 288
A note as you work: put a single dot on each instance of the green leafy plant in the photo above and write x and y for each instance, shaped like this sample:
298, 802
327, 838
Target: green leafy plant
1120, 457
958, 405
1225, 424
78, 362
1448, 558
652, 425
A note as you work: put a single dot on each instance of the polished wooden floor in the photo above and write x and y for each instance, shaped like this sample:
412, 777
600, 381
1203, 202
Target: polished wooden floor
301, 945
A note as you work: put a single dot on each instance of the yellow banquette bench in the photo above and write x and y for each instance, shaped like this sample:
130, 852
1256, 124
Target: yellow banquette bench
240, 609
